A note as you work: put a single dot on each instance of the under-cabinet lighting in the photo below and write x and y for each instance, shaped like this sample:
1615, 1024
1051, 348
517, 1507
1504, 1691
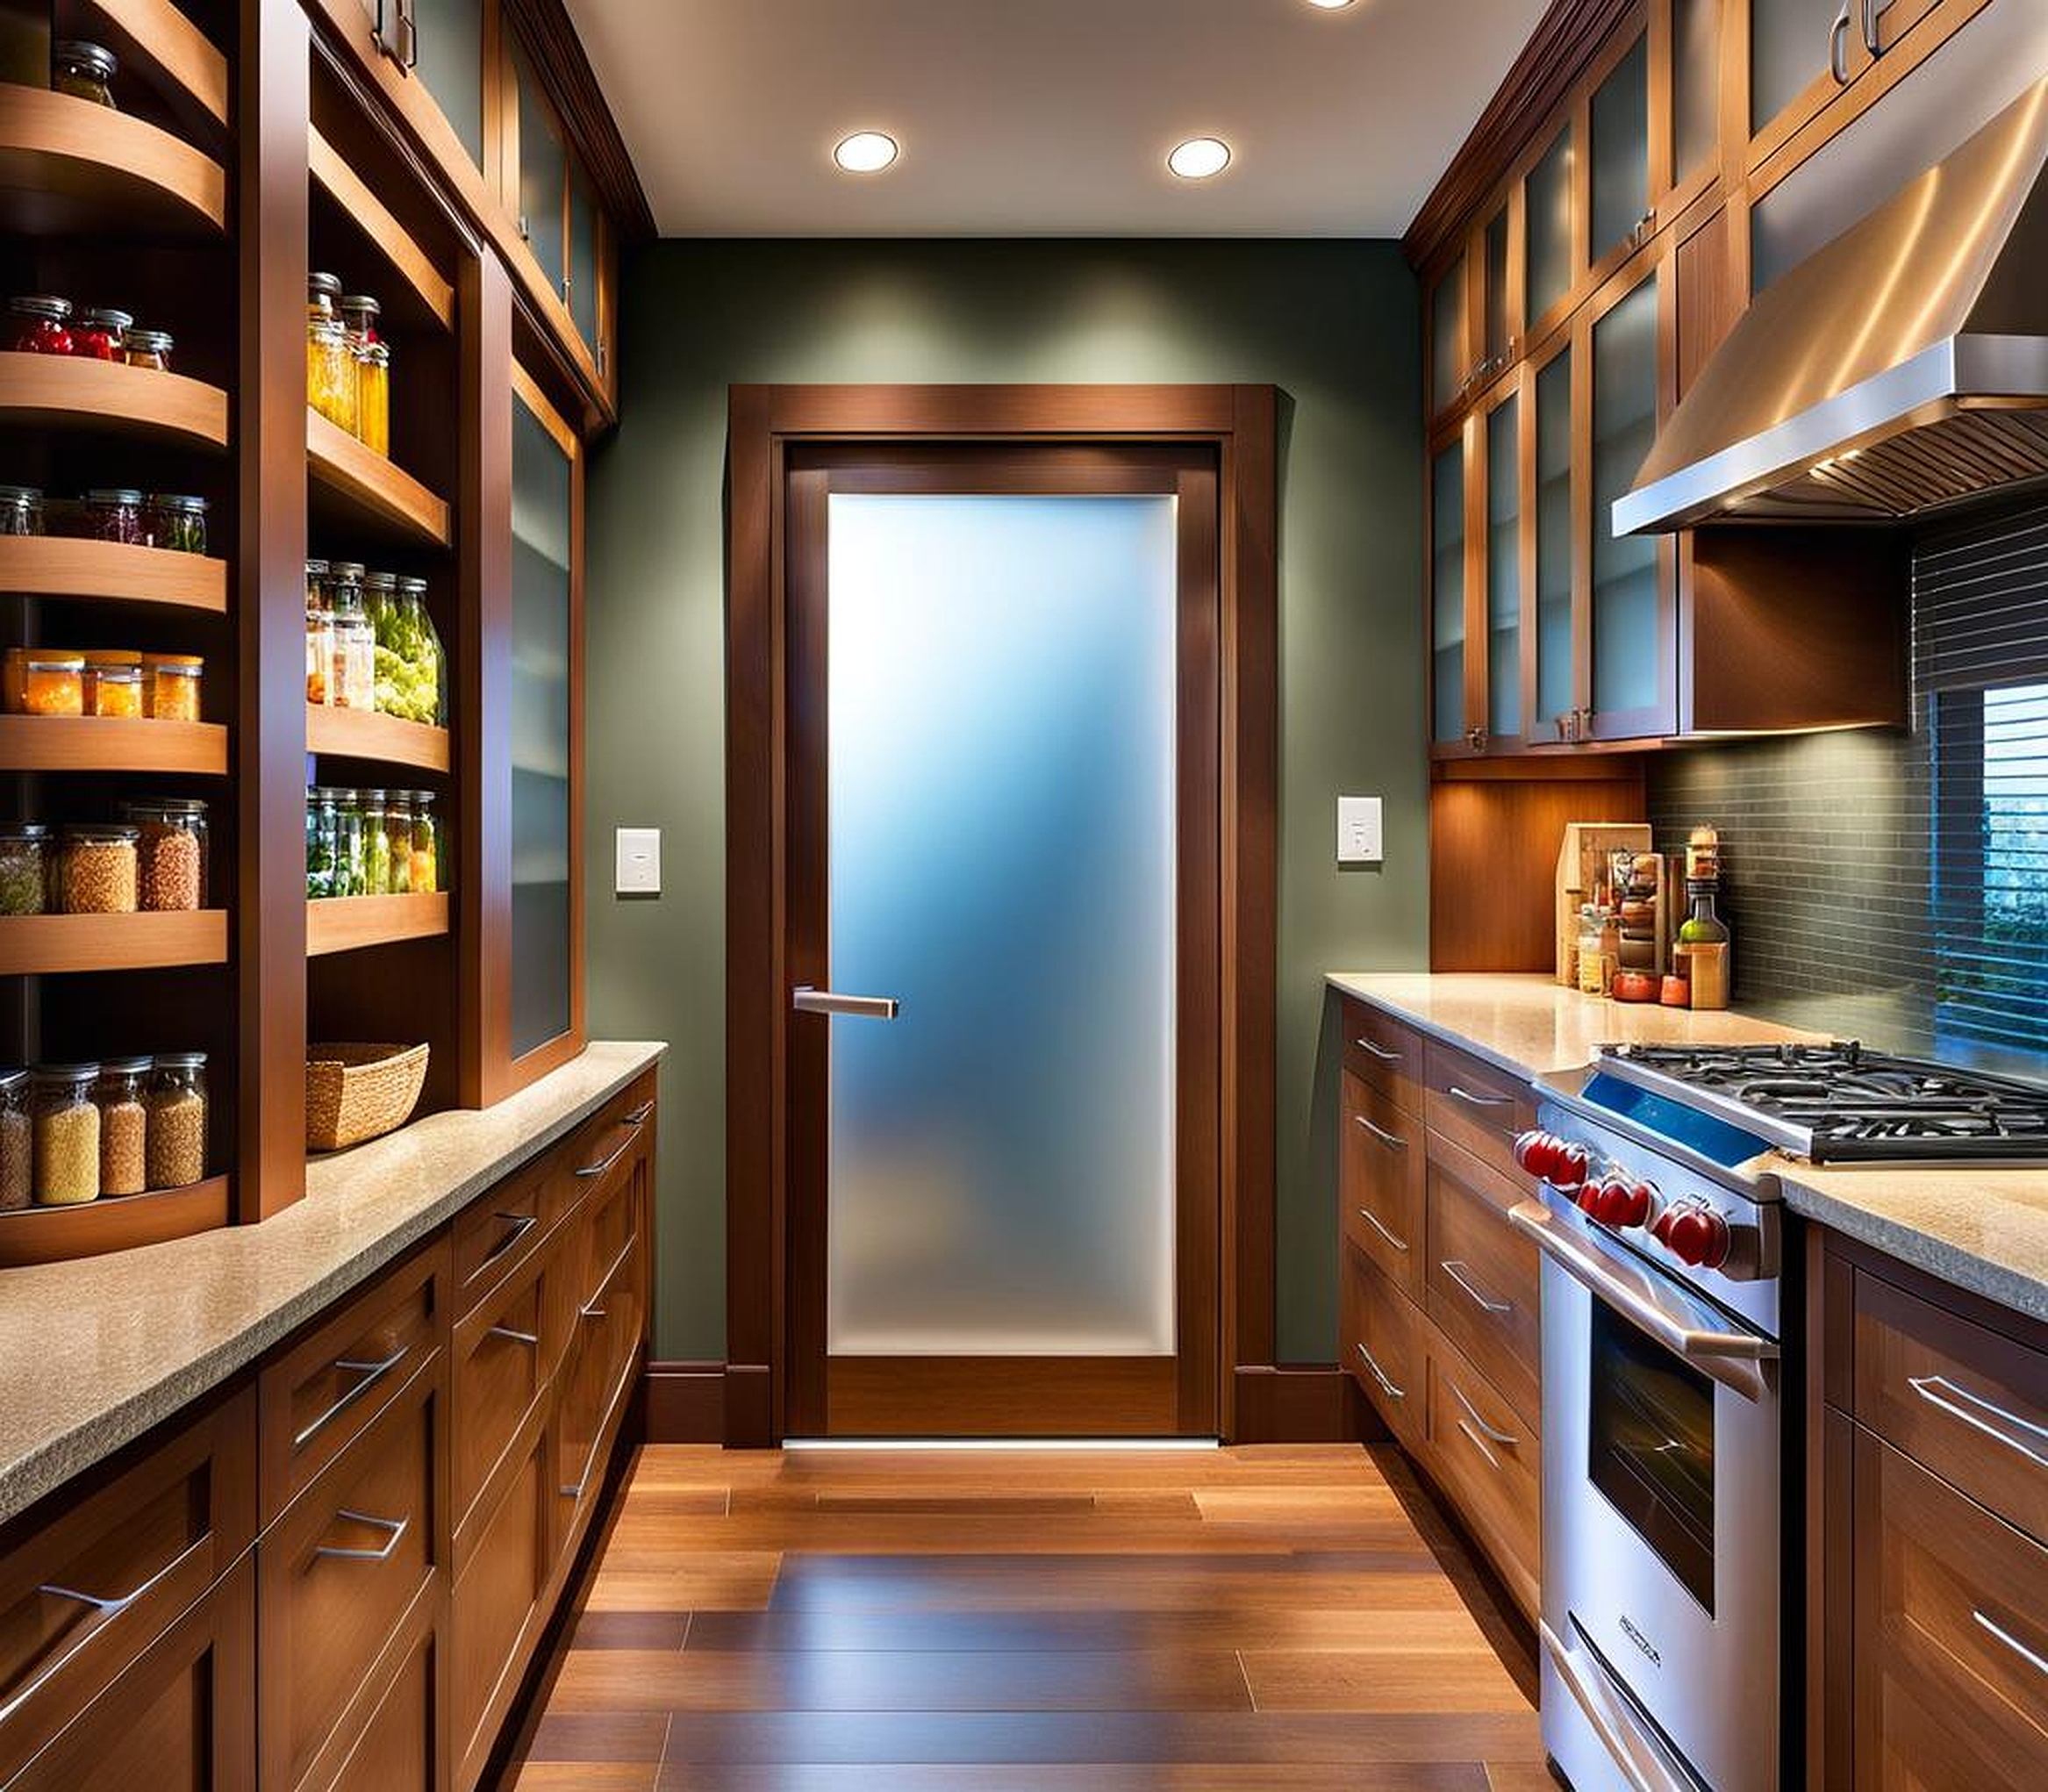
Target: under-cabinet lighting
1200, 158
1003, 1444
865, 152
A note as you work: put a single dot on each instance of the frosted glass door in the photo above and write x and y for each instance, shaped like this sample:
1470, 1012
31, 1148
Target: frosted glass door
1001, 834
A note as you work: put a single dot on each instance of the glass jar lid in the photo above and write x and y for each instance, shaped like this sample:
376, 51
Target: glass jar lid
316, 569
75, 663
179, 501
380, 581
180, 1060
68, 1073
106, 316
349, 571
103, 832
125, 1066
116, 673
174, 669
21, 494
114, 495
41, 304
88, 59
326, 286
411, 587
360, 302
150, 341
28, 830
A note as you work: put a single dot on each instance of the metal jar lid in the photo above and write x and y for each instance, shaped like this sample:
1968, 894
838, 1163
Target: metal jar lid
66, 1072
106, 316
411, 587
360, 302
90, 59
42, 304
181, 501
113, 494
349, 571
125, 1066
21, 494
31, 831
327, 285
180, 1060
150, 341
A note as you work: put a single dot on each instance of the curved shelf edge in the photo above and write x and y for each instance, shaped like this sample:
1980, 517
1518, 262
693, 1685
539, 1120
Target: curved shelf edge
52, 390
374, 483
35, 945
111, 744
348, 923
156, 33
361, 733
58, 566
114, 1222
67, 163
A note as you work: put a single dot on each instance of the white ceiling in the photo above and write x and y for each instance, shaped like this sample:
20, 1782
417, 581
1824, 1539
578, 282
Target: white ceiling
1028, 118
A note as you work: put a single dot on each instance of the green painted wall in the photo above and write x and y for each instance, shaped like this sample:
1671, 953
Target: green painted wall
1333, 324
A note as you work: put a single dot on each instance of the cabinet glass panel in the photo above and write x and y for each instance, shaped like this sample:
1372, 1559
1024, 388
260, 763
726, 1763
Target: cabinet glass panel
543, 511
1555, 670
1547, 207
1621, 149
1696, 83
1497, 288
1447, 591
1504, 568
1447, 327
1788, 49
583, 257
543, 171
1625, 596
449, 36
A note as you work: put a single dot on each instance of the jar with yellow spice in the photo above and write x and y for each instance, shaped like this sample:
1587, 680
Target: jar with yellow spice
170, 685
330, 372
52, 685
123, 1125
65, 1126
373, 396
176, 1102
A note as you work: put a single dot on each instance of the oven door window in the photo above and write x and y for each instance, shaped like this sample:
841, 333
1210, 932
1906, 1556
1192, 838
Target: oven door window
1651, 1444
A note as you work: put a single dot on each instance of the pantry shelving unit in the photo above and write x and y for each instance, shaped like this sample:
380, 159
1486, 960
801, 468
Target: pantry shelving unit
386, 740
43, 391
348, 923
111, 744
72, 167
45, 566
40, 945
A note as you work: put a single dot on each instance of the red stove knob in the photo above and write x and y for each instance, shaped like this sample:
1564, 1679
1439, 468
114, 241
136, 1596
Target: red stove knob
1636, 1204
1698, 1236
1568, 1166
1532, 1150
1599, 1199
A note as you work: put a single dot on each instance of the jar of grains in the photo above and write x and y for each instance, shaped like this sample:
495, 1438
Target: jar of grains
177, 520
114, 513
99, 333
150, 349
53, 686
16, 1156
177, 1120
170, 685
21, 510
96, 871
25, 870
170, 854
65, 1134
124, 1125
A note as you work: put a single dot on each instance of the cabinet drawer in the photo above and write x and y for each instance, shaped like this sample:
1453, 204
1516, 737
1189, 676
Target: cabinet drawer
1479, 1108
330, 1387
502, 1363
498, 1231
499, 1607
1381, 1179
338, 1574
1384, 1053
1969, 1403
1382, 1339
603, 1342
1950, 1634
397, 1748
1490, 1461
1484, 1284
84, 1593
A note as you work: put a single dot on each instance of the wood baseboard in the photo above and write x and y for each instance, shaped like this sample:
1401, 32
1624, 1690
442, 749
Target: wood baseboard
1301, 1404
684, 1402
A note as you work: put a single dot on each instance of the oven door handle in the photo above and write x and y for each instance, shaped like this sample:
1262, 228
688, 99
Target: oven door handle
1729, 1356
1636, 1754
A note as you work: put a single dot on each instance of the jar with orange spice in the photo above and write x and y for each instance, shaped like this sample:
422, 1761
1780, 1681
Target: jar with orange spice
114, 690
51, 685
170, 683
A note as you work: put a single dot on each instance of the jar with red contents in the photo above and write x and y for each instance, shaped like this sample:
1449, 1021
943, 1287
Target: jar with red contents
39, 323
101, 333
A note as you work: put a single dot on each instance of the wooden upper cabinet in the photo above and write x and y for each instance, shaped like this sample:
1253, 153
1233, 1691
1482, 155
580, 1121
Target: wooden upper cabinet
449, 57
1506, 560
1450, 589
1619, 214
1798, 60
1450, 337
1553, 243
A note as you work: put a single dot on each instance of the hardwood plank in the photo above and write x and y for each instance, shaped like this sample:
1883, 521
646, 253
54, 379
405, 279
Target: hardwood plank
1398, 1677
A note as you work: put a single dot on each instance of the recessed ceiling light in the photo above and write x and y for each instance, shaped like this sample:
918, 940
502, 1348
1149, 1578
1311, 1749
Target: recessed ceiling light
1200, 157
865, 152
1330, 5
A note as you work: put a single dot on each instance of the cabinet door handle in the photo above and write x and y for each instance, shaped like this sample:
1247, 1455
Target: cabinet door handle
106, 1610
1458, 1270
120, 1602
1379, 1375
1373, 1220
529, 1339
1473, 1100
1982, 1414
371, 1374
604, 1163
394, 1530
1838, 46
1380, 1052
1392, 1140
1492, 1434
521, 1223
2011, 1641
1874, 14
640, 1113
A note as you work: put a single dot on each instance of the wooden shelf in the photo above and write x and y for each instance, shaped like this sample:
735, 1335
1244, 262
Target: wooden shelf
373, 484
52, 566
68, 166
116, 1223
347, 923
34, 945
361, 733
111, 743
155, 35
55, 391
332, 173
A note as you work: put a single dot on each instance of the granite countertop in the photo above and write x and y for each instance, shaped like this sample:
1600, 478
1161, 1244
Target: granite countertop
1981, 1229
98, 1351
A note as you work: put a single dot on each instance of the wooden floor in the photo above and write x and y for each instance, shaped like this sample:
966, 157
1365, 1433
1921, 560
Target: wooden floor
1289, 1618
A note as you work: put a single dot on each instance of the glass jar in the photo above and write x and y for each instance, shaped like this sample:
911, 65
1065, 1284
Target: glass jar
377, 844
373, 396
354, 679
330, 372
113, 691
150, 349
170, 854
349, 875
24, 868
40, 324
21, 510
16, 1149
319, 844
177, 521
170, 685
124, 1125
53, 686
398, 832
322, 293
319, 636
65, 1129
176, 1102
359, 312
423, 867
114, 513
85, 71
96, 869
101, 333
430, 696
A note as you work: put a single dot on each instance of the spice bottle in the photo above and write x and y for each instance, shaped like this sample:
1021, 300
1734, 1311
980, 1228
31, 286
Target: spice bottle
17, 1151
65, 1125
319, 636
330, 372
123, 1125
150, 349
373, 396
99, 333
170, 854
85, 71
177, 1120
1702, 951
354, 676
113, 690
52, 685
398, 832
21, 510
350, 878
423, 872
376, 844
170, 685
41, 323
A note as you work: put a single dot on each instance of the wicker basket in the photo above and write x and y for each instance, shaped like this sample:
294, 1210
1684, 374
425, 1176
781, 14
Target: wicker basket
355, 1093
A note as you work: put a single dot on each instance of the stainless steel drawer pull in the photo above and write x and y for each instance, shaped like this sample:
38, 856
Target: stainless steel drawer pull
1458, 1270
1379, 1375
1379, 1052
528, 1338
807, 1001
115, 1607
106, 1610
604, 1163
640, 1113
394, 1530
1373, 1220
1972, 1410
1507, 1440
1393, 1142
371, 1374
1466, 1096
521, 1223
592, 1311
2011, 1641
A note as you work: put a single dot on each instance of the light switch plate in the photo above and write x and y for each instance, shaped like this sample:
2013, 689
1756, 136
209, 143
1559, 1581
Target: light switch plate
1358, 831
640, 862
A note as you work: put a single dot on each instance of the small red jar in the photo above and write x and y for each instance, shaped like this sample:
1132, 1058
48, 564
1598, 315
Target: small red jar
101, 335
39, 324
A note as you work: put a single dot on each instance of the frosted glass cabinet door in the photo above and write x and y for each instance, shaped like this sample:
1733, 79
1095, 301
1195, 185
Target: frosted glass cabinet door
1001, 838
1504, 570
1629, 676
1447, 593
1556, 671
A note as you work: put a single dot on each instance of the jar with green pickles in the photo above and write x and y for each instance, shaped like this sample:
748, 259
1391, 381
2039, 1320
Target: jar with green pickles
425, 870
350, 873
398, 842
377, 844
319, 844
25, 870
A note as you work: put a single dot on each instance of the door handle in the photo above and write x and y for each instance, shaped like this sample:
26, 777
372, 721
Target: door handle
1381, 1052
1392, 1140
1373, 1220
1982, 1414
2009, 1640
393, 1529
1460, 1273
1873, 16
807, 1001
1838, 46
1379, 1375
1473, 1100
371, 1374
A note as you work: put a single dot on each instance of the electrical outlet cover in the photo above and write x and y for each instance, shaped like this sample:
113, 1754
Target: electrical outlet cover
1358, 831
640, 862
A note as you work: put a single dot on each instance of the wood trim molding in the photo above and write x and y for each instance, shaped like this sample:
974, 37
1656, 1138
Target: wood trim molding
1315, 1403
558, 58
1565, 43
683, 1402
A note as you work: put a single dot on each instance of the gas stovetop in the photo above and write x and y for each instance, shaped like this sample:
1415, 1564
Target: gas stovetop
1840, 1104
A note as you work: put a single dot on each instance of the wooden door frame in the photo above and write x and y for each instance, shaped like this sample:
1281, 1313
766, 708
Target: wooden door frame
1238, 421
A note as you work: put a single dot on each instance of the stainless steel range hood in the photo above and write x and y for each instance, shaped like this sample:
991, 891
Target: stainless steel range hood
1902, 367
